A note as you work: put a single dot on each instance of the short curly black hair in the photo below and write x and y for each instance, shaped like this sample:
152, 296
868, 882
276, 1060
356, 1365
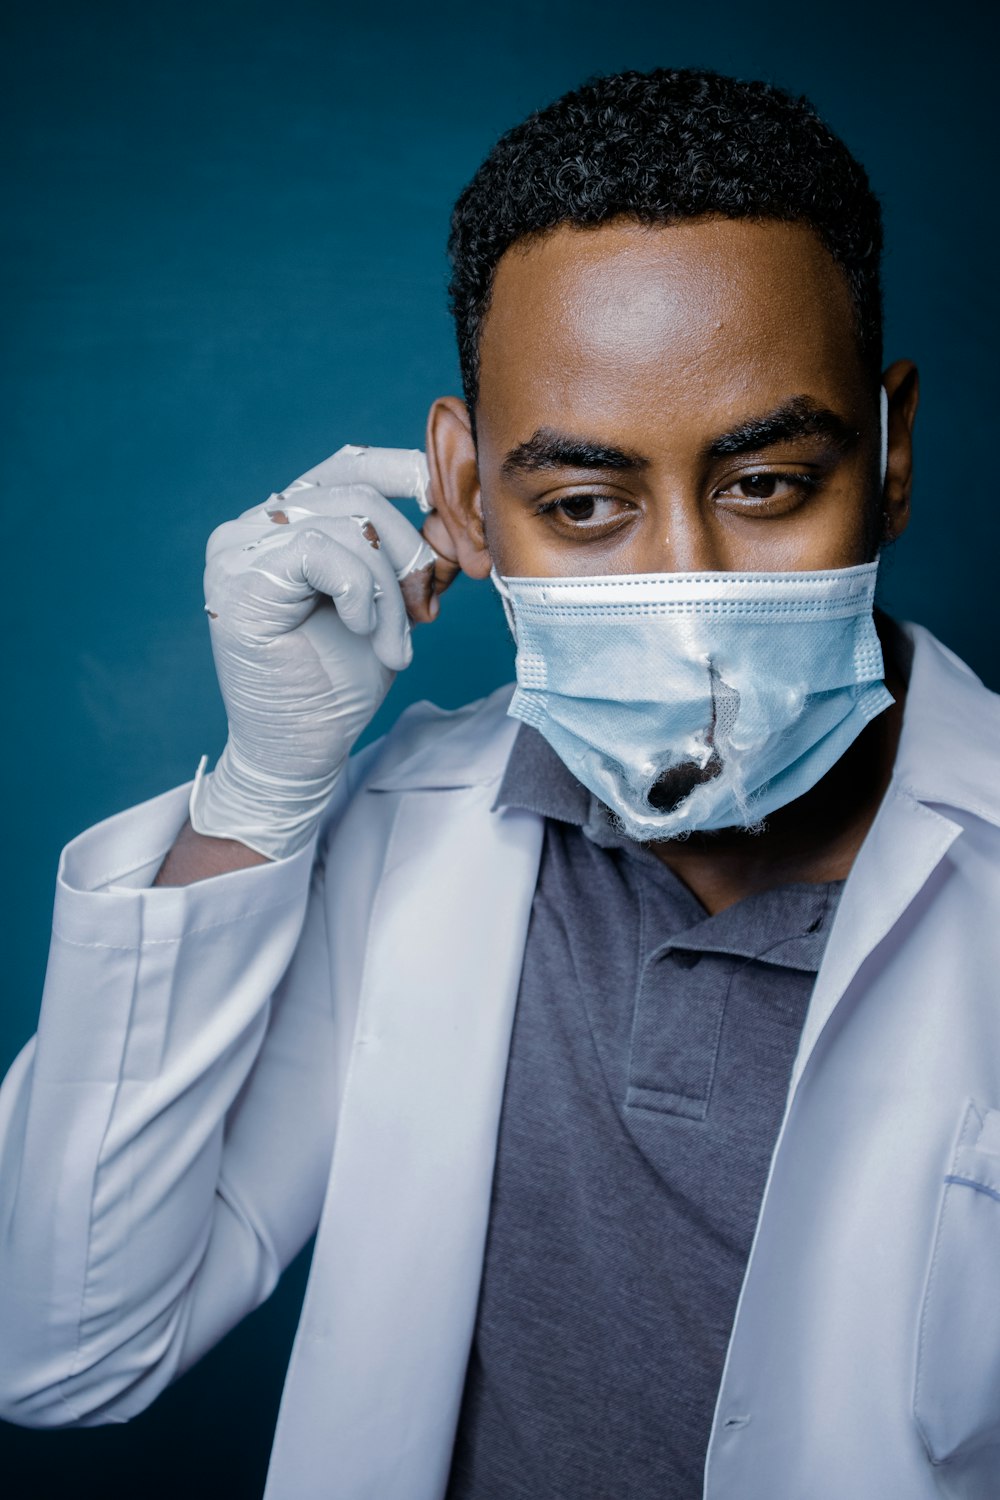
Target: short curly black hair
661, 147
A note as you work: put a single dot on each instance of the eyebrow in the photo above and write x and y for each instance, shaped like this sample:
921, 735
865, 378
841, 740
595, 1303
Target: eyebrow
548, 449
800, 417
797, 418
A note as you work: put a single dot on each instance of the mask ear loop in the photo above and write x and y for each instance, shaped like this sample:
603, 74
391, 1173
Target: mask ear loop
504, 593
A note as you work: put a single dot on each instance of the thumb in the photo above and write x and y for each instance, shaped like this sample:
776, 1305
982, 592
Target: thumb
421, 589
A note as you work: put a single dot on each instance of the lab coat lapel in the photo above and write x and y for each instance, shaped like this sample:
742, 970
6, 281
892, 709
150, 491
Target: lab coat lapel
377, 1372
881, 887
944, 759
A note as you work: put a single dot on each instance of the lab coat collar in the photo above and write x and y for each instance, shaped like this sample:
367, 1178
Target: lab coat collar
945, 766
947, 755
472, 749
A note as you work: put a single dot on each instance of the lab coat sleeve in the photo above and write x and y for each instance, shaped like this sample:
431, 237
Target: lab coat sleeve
165, 1137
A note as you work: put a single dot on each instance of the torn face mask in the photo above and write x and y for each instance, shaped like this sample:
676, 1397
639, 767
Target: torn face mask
689, 701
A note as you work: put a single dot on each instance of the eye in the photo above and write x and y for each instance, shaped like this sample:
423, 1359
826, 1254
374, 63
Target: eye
759, 486
584, 512
579, 507
766, 491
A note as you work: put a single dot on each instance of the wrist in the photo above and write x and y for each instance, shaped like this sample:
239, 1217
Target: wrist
274, 816
194, 857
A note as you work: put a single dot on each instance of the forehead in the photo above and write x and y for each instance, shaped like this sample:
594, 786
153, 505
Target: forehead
630, 317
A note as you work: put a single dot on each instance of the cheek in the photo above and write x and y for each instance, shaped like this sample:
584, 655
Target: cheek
836, 531
846, 527
514, 539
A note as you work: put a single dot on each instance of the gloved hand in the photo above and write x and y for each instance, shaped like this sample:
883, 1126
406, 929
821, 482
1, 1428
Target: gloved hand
309, 627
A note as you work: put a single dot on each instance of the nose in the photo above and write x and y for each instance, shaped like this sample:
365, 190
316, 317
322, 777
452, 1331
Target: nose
676, 537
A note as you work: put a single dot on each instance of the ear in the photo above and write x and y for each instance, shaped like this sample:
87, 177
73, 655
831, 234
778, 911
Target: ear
455, 530
902, 385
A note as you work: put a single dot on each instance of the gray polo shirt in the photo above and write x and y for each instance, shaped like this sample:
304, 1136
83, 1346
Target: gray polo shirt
649, 1065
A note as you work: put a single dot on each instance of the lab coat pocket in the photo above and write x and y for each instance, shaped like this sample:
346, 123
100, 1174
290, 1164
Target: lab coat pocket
956, 1397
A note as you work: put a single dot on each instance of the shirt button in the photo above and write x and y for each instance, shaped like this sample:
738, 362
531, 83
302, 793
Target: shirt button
684, 958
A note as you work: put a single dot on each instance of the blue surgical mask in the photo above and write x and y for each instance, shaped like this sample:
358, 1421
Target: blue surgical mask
690, 701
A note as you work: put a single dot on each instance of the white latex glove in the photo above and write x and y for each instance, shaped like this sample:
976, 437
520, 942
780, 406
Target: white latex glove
309, 627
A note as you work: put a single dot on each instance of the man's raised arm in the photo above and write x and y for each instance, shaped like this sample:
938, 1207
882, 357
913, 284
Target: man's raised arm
165, 1137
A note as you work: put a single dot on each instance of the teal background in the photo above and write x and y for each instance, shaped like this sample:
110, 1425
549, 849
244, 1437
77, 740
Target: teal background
223, 256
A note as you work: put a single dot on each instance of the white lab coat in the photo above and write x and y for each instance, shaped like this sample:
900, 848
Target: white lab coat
219, 1068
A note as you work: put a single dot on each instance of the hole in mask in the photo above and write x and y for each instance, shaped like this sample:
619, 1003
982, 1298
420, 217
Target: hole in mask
671, 788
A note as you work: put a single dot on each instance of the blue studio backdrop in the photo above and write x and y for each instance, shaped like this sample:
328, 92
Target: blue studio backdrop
223, 257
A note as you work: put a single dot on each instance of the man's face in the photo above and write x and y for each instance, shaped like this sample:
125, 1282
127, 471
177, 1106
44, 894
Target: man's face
679, 398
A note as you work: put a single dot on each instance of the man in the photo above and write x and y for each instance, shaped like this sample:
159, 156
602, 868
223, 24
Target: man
637, 1055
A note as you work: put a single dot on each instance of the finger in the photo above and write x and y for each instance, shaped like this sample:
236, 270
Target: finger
422, 589
327, 567
446, 564
340, 561
238, 532
399, 472
406, 548
416, 577
431, 565
264, 530
418, 593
